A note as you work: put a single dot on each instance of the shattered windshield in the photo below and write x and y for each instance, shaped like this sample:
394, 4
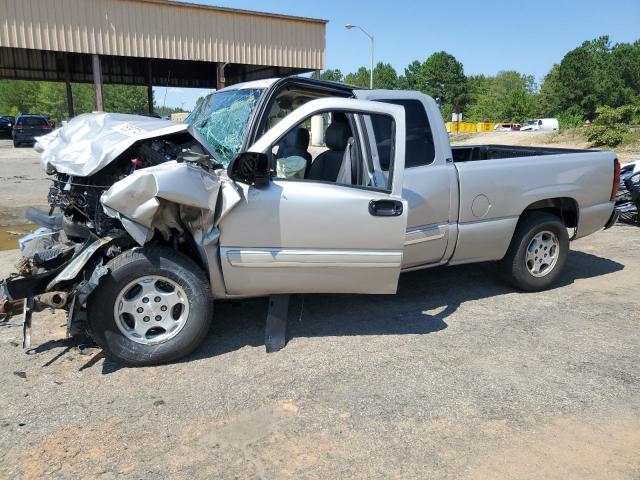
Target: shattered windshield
221, 118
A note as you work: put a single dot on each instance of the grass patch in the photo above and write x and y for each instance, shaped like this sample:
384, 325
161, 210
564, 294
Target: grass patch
632, 138
566, 135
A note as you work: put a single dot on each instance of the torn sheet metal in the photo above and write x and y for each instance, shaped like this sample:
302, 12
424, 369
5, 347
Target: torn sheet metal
149, 198
76, 265
91, 141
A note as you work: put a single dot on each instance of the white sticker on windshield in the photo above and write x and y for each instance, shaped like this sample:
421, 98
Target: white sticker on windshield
128, 129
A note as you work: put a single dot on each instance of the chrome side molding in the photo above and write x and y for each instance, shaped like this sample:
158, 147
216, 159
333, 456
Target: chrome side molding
302, 257
423, 234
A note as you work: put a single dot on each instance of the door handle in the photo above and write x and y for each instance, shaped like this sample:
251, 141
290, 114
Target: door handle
385, 208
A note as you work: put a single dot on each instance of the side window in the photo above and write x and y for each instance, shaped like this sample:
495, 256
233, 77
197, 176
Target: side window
327, 147
287, 101
419, 148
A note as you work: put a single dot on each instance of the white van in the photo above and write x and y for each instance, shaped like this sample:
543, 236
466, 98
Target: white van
540, 125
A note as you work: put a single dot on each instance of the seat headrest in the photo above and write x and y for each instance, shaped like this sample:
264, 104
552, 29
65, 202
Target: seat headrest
337, 136
297, 138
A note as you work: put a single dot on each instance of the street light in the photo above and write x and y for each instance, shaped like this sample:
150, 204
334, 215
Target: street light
348, 26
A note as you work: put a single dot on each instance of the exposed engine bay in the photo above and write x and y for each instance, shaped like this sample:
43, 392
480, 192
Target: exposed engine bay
78, 198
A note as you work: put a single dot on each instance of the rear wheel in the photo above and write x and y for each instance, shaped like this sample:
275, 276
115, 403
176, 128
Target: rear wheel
16, 144
537, 253
154, 306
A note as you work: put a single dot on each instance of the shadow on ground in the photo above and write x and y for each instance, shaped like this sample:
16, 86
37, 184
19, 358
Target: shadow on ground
424, 300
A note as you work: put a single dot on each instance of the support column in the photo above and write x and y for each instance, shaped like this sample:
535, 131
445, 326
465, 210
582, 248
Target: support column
97, 80
150, 86
220, 80
67, 81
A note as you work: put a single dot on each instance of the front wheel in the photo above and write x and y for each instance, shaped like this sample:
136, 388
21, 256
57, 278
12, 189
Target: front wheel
537, 254
154, 306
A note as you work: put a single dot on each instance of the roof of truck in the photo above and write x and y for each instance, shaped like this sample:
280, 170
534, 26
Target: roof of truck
267, 82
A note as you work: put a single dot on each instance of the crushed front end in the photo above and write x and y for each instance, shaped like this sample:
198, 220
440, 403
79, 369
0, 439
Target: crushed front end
117, 182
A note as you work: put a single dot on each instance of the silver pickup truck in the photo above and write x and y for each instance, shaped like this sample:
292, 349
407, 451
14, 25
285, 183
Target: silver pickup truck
284, 186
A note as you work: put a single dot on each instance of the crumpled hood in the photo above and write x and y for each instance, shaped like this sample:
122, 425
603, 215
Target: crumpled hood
146, 199
91, 141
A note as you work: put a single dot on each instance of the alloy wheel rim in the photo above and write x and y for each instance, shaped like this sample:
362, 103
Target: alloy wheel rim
151, 309
542, 253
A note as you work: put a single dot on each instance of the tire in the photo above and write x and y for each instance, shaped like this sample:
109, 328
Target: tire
16, 144
146, 274
531, 273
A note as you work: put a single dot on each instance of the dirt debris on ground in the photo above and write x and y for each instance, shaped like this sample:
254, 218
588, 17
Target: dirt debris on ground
457, 376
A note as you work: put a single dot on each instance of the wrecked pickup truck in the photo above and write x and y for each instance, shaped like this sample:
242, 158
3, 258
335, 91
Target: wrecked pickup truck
285, 186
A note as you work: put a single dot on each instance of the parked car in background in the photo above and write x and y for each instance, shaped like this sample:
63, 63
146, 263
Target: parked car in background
541, 125
507, 127
28, 127
6, 125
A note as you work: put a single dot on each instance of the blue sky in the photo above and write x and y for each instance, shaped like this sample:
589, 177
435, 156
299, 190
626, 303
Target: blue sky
486, 36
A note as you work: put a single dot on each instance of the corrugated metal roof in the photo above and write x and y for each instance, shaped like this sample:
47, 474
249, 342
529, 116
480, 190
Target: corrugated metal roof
236, 10
163, 29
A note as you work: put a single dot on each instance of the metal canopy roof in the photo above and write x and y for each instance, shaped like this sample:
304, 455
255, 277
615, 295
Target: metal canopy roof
254, 44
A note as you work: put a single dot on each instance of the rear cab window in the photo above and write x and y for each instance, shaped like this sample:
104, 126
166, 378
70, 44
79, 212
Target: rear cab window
419, 147
32, 121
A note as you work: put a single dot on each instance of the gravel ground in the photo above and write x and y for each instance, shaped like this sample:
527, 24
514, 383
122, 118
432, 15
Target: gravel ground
457, 376
22, 182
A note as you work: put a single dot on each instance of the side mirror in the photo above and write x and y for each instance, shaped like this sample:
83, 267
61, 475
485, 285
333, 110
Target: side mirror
251, 168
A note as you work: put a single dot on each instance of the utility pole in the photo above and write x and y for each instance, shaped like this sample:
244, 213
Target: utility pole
349, 26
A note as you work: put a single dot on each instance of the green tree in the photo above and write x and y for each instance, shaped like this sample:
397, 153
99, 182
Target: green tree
508, 96
385, 76
125, 99
551, 93
594, 74
84, 98
411, 80
334, 75
18, 96
358, 79
612, 125
625, 59
442, 76
483, 102
51, 100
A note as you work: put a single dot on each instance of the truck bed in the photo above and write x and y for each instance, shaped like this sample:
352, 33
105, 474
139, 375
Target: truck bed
470, 153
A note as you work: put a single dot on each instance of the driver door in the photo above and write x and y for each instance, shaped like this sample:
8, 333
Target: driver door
308, 236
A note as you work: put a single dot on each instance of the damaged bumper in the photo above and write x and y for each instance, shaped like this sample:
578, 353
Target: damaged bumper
51, 274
